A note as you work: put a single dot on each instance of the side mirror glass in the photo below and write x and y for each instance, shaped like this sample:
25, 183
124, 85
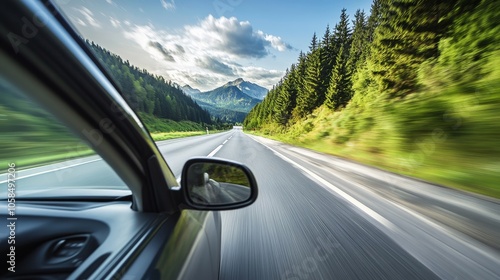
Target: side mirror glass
216, 184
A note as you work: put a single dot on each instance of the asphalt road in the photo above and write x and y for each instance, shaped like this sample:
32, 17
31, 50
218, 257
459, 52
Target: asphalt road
320, 217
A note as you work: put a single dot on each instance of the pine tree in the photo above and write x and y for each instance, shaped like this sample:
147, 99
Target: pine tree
314, 43
342, 33
312, 84
327, 58
282, 100
358, 41
298, 111
325, 41
339, 89
339, 92
374, 19
289, 95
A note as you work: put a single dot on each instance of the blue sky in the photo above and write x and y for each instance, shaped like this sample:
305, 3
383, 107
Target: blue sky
208, 43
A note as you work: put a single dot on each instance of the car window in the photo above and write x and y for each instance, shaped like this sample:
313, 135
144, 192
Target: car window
39, 153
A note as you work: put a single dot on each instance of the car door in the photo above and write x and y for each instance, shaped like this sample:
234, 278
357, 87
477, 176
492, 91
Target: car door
141, 226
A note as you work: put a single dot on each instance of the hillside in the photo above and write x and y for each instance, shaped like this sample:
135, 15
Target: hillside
151, 95
402, 89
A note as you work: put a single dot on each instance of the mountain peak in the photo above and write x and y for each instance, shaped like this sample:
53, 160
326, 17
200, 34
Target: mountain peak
187, 89
236, 82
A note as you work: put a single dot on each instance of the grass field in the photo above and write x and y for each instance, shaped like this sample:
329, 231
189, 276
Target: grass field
27, 154
159, 136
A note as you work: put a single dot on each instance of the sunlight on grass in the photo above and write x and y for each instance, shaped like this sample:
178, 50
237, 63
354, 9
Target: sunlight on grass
159, 136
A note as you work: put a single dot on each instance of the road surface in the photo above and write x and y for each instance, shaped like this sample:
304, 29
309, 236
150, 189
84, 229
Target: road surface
321, 217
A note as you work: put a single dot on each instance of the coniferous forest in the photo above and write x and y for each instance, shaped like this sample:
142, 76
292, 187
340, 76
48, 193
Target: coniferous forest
413, 86
151, 96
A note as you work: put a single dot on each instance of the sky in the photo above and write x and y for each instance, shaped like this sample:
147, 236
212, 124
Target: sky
206, 44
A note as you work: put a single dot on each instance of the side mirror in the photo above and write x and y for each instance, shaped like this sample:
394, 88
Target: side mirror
217, 184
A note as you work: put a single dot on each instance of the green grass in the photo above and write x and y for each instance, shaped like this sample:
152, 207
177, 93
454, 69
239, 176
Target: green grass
30, 154
155, 124
159, 136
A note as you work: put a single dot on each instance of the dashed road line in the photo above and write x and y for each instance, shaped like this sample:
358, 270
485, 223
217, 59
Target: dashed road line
219, 147
215, 151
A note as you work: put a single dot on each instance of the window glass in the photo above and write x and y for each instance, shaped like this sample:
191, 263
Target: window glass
39, 153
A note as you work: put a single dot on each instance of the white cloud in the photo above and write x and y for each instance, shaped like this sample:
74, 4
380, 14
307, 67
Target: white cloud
80, 21
215, 65
209, 53
264, 77
167, 54
277, 43
235, 37
89, 18
116, 23
168, 5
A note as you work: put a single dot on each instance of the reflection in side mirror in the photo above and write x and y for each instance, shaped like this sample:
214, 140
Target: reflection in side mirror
216, 184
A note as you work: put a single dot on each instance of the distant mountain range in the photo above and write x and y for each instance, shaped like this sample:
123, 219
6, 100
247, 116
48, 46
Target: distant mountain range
230, 102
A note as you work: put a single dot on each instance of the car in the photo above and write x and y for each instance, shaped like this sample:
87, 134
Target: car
149, 226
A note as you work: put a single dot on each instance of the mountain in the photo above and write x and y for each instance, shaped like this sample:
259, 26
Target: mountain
230, 102
250, 89
187, 89
228, 97
223, 114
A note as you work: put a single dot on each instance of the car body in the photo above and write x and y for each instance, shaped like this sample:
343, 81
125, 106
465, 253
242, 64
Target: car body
153, 229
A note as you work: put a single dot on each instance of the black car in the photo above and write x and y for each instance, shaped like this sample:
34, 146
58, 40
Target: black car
148, 226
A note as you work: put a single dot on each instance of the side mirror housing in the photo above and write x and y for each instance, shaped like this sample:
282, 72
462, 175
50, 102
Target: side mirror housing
217, 184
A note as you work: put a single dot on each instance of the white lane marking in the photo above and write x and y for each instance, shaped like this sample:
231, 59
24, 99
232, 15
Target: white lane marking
340, 192
218, 148
52, 170
214, 151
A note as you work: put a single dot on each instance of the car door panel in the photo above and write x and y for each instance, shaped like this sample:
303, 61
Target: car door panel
188, 249
112, 226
